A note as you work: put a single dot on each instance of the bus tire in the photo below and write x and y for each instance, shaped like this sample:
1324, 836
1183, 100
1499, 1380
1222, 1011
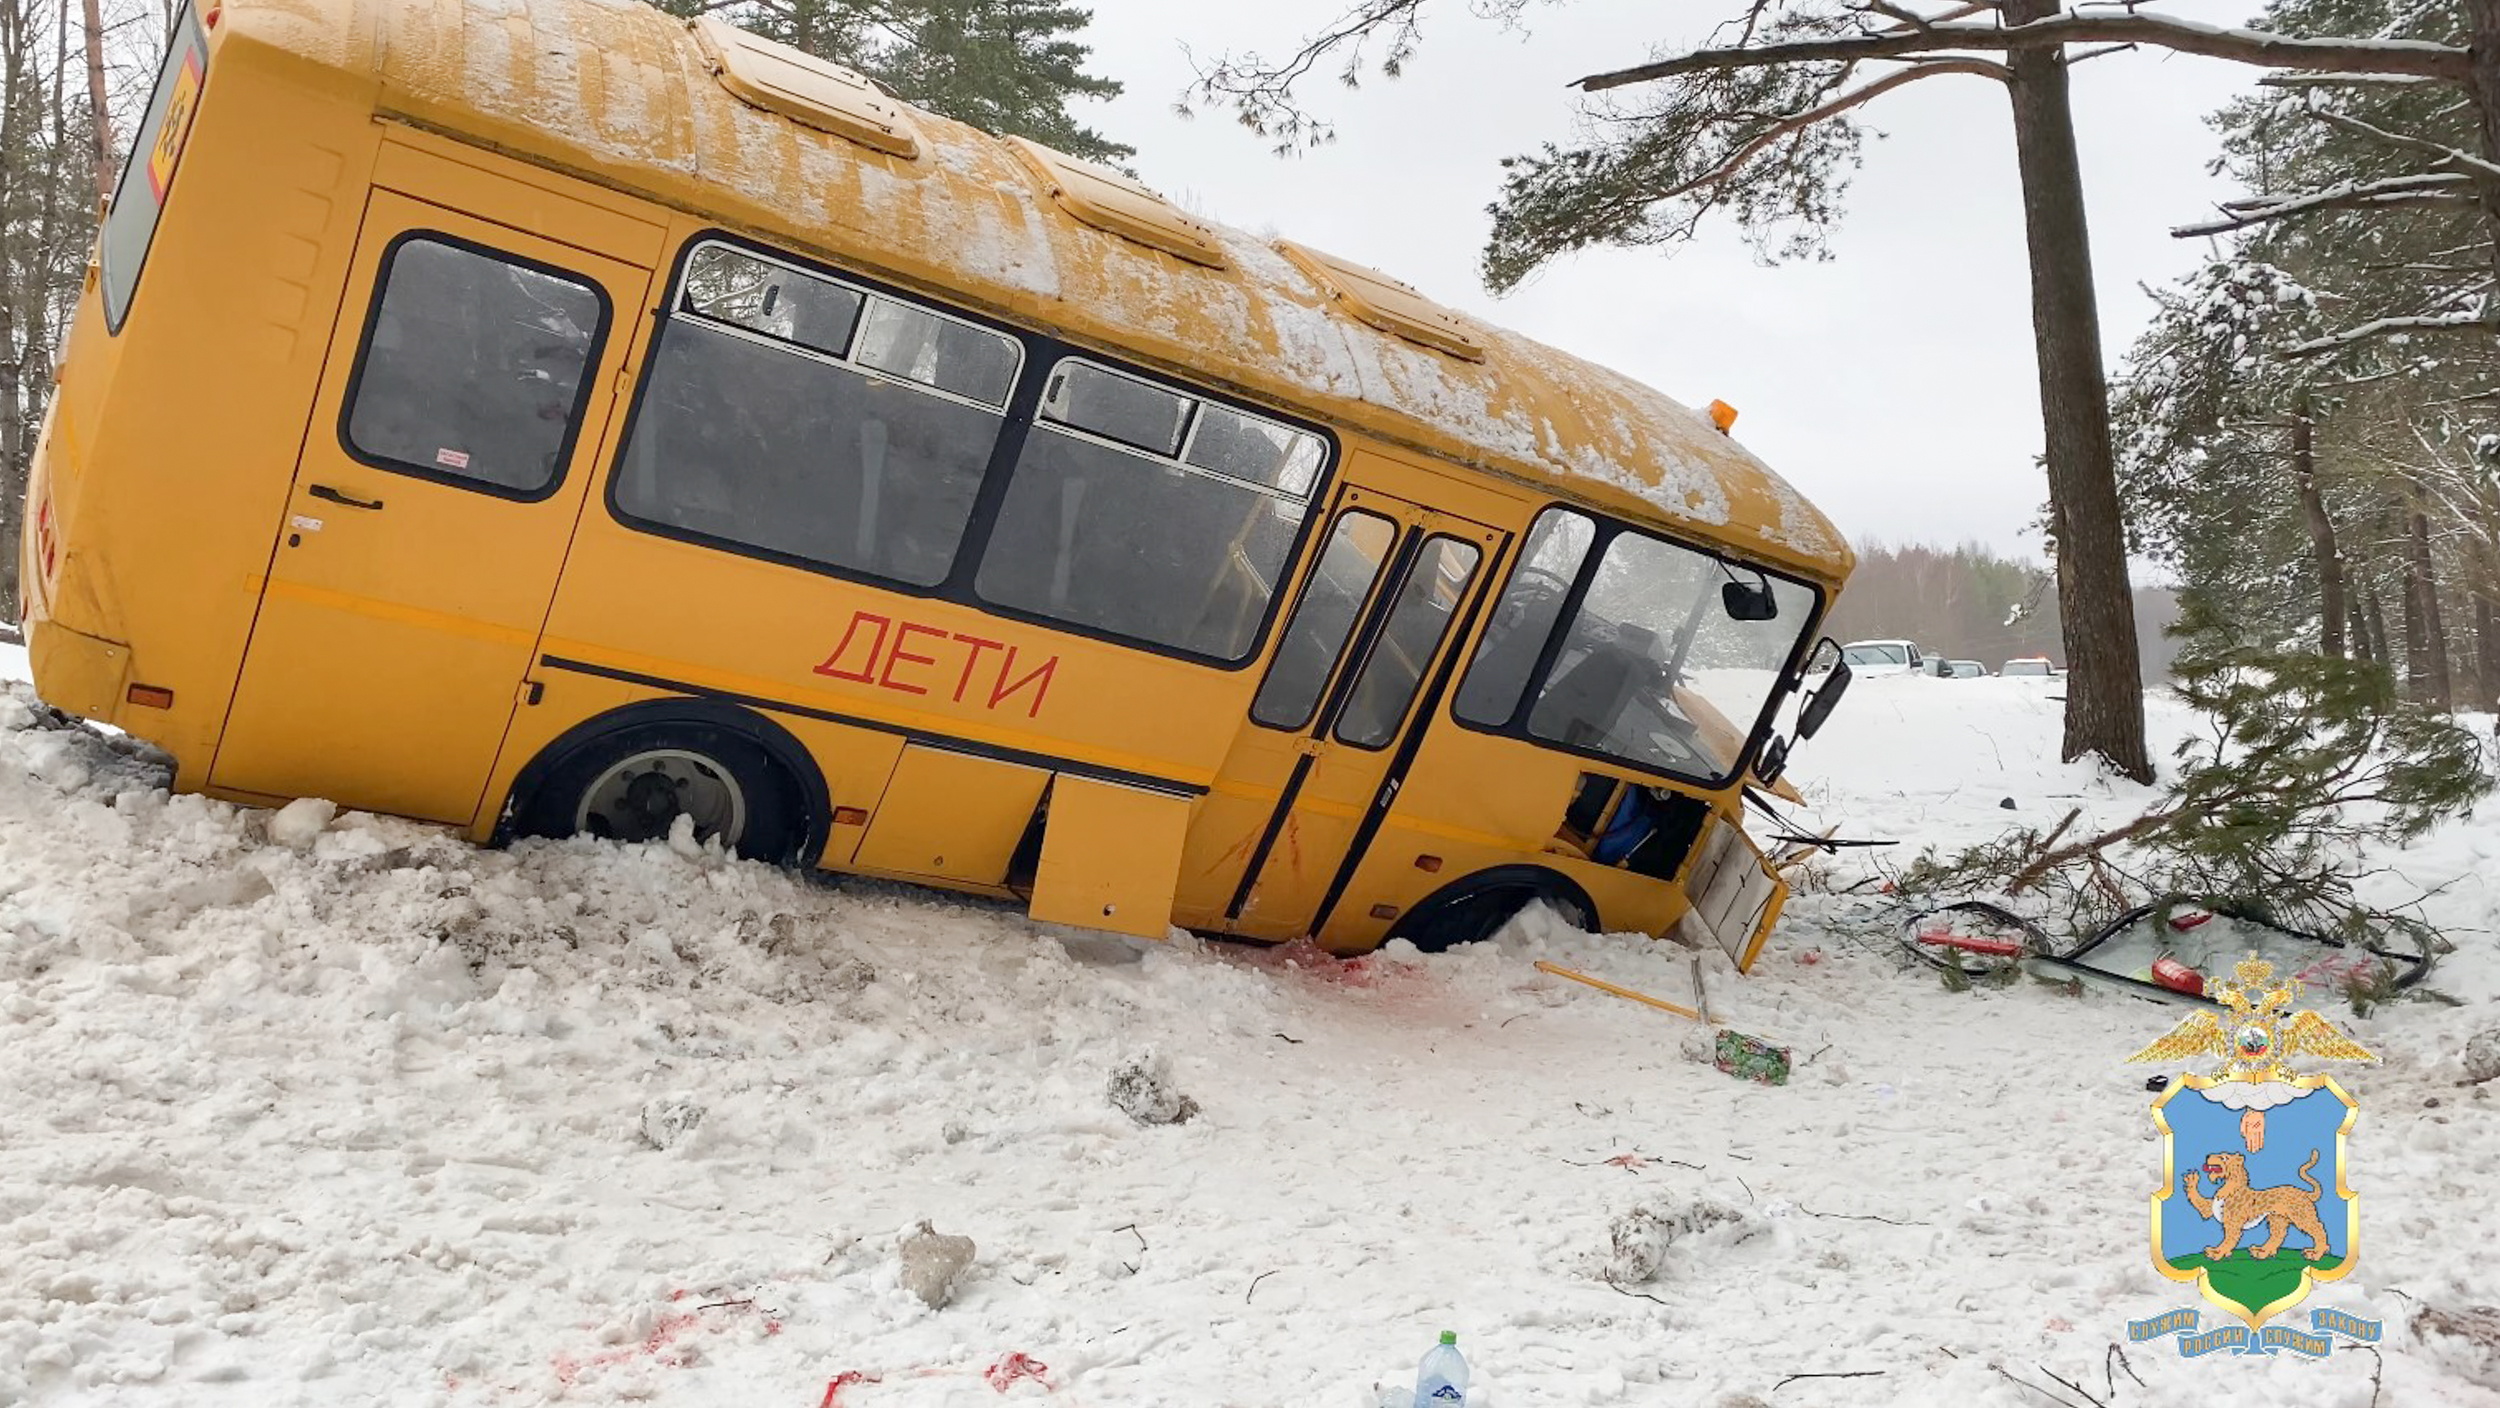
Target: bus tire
627, 781
1474, 908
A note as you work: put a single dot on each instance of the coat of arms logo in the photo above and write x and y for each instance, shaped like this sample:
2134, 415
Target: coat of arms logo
2254, 1208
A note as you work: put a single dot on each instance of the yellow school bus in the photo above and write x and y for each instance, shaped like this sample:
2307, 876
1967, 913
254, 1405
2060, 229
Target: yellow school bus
550, 417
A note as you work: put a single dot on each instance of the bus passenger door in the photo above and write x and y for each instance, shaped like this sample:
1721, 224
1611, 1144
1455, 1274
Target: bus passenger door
450, 446
1379, 612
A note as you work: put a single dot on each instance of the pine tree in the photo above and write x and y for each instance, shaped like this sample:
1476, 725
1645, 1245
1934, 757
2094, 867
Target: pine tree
1005, 66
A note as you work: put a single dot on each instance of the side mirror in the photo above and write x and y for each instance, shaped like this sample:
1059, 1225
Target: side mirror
1748, 601
1773, 762
1824, 699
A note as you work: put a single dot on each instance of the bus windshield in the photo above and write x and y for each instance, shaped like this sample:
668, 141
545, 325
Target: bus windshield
1651, 669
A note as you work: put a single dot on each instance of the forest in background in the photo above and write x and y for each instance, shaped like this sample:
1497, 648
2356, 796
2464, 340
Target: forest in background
2305, 432
1972, 603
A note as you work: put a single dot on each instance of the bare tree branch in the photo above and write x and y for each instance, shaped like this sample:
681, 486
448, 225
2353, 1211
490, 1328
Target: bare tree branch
1798, 122
2385, 56
2351, 195
2444, 154
2343, 80
2479, 321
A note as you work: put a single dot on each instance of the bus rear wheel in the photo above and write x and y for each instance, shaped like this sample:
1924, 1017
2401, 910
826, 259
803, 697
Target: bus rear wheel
633, 785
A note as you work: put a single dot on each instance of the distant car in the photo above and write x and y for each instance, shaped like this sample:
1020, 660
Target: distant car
1884, 657
2029, 665
1966, 670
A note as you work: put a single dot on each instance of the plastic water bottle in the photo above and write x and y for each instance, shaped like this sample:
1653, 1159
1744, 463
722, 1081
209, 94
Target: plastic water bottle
1442, 1381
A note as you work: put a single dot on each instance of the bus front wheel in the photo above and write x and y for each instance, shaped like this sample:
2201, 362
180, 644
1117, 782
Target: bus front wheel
633, 785
1475, 909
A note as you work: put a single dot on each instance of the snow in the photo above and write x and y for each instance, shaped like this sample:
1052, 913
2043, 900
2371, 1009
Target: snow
381, 1117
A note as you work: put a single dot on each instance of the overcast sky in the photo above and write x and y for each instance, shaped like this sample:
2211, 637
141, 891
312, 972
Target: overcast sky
1894, 384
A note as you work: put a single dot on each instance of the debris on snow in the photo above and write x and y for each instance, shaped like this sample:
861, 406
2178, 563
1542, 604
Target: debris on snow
665, 1122
2482, 1056
932, 1263
1142, 1089
299, 822
2468, 1339
1641, 1238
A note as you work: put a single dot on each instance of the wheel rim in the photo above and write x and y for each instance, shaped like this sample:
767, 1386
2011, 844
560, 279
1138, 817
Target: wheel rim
640, 797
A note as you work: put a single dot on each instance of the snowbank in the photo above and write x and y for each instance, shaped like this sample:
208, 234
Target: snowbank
377, 1117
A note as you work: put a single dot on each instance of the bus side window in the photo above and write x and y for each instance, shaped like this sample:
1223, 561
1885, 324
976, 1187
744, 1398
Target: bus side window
472, 370
1322, 619
1139, 511
1525, 618
790, 413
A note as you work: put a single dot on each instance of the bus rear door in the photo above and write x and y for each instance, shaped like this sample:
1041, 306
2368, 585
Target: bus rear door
450, 446
1377, 617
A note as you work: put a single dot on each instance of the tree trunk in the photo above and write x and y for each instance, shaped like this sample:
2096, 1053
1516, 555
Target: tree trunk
17, 151
2482, 22
97, 112
2486, 621
2374, 622
2484, 560
2321, 532
2105, 691
2426, 643
2417, 660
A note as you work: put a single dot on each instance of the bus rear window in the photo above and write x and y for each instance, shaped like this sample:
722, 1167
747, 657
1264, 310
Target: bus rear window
148, 176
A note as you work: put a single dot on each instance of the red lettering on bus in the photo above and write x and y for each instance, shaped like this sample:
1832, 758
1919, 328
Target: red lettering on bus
903, 656
890, 648
867, 673
978, 645
1005, 691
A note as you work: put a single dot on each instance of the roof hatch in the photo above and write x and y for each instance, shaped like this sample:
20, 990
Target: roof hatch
1385, 303
1109, 200
804, 88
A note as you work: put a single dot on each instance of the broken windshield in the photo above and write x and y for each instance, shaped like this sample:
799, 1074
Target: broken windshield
1651, 669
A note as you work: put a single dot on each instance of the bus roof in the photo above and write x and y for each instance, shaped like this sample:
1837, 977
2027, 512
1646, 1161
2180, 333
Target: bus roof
621, 93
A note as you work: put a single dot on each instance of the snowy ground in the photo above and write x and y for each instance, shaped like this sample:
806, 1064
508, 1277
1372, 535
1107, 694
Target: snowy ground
375, 1117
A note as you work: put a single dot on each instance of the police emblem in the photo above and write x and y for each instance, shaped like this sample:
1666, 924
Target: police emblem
2253, 1208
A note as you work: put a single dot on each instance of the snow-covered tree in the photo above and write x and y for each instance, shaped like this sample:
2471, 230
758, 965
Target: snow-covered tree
1006, 66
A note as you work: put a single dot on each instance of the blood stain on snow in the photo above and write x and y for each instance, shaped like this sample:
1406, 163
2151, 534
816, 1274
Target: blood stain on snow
569, 1367
1016, 1365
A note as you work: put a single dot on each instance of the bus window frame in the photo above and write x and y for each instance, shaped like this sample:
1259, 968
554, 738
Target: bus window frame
592, 360
1337, 664
1609, 527
194, 34
1441, 643
1022, 415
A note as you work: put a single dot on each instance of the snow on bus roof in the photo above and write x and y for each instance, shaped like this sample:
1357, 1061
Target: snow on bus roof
619, 91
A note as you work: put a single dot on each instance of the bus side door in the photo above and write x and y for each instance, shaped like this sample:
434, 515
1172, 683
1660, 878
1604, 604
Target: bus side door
1329, 731
451, 443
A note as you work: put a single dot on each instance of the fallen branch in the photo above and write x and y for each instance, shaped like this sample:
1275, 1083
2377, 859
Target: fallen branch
2070, 1383
1254, 1286
2111, 1363
1636, 1295
1840, 1374
1859, 1217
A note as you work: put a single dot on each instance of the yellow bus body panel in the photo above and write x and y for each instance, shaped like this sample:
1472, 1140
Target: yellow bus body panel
952, 816
1109, 857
